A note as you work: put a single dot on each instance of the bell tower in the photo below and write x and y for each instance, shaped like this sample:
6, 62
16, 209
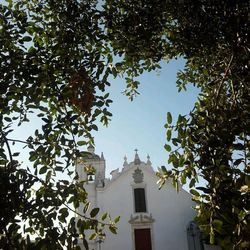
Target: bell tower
92, 167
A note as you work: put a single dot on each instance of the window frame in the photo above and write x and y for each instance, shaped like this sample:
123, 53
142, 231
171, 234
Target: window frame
140, 205
135, 186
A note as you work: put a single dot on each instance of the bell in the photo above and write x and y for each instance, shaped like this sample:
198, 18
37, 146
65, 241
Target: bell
90, 178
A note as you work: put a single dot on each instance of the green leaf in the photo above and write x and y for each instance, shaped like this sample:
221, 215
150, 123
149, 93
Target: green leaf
169, 134
169, 118
81, 143
104, 216
194, 192
7, 119
86, 207
114, 72
85, 244
117, 219
238, 162
93, 126
217, 224
31, 50
183, 178
26, 39
43, 170
164, 170
58, 169
92, 236
192, 183
48, 176
112, 229
167, 147
94, 212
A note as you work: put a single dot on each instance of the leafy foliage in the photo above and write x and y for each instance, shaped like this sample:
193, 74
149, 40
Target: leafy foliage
54, 65
211, 142
56, 57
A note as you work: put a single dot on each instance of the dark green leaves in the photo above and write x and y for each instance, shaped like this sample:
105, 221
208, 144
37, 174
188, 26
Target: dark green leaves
194, 192
113, 229
56, 59
43, 170
94, 212
169, 118
26, 39
167, 147
63, 214
117, 219
53, 64
169, 134
7, 119
211, 144
81, 143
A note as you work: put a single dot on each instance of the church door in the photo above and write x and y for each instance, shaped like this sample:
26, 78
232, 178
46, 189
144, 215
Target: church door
143, 239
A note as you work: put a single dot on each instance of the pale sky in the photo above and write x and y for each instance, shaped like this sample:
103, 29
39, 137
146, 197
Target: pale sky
135, 125
140, 124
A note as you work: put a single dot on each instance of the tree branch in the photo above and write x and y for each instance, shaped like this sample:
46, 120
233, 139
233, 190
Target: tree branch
225, 74
86, 217
8, 147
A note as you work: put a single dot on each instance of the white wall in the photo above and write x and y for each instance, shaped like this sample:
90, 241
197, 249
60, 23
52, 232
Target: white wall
171, 211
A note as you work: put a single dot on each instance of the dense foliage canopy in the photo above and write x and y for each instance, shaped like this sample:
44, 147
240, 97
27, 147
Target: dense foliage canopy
55, 60
54, 65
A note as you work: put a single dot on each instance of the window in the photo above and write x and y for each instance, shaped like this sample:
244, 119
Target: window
140, 201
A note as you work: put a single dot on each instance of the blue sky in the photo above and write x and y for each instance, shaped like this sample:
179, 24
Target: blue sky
140, 124
135, 125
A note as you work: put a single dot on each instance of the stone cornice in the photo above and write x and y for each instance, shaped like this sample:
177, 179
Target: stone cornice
141, 219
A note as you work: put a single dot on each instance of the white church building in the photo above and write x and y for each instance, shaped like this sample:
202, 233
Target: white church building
150, 219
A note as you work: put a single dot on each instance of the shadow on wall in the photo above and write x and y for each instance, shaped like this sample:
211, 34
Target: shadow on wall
194, 238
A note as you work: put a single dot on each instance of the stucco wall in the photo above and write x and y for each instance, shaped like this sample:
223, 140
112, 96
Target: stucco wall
170, 210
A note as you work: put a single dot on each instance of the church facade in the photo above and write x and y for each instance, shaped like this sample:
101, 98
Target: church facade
150, 219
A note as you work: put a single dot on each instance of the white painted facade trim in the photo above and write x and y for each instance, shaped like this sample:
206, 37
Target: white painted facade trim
167, 212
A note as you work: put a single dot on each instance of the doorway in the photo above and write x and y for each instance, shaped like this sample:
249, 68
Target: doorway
143, 239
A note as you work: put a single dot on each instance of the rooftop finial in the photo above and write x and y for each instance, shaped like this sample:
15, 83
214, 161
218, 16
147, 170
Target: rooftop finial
125, 161
102, 156
137, 160
148, 161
